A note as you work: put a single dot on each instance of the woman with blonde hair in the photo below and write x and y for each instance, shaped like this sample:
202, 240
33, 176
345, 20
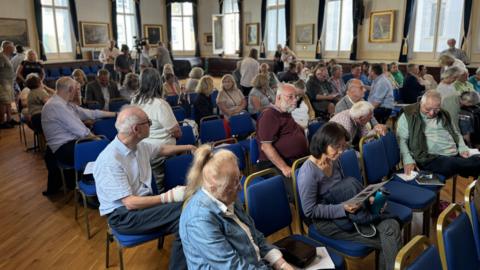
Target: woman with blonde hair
28, 66
203, 105
230, 99
79, 76
214, 230
261, 95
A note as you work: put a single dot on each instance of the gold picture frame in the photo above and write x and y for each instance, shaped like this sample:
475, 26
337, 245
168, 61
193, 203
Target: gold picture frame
304, 34
381, 26
15, 30
95, 34
207, 39
252, 37
153, 33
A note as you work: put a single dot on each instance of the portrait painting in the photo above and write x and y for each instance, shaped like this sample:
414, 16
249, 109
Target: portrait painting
252, 36
95, 34
153, 33
14, 30
304, 34
207, 38
381, 26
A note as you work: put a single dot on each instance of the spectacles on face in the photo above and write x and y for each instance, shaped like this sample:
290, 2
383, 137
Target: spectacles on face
432, 110
149, 122
341, 146
290, 97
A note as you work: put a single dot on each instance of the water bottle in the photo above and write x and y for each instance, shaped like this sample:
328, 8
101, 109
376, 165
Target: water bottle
378, 202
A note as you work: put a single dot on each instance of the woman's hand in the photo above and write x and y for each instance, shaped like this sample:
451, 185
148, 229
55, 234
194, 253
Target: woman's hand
351, 207
326, 165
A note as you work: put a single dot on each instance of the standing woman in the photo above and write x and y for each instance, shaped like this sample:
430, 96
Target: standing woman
203, 105
164, 128
277, 60
29, 65
230, 99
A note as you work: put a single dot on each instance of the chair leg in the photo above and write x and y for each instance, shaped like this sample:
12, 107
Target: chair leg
454, 188
107, 251
407, 230
160, 243
120, 257
377, 259
426, 222
63, 182
75, 201
85, 214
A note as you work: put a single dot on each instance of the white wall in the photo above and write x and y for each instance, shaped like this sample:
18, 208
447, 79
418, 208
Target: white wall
205, 11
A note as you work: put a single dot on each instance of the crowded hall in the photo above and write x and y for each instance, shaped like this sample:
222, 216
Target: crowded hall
240, 134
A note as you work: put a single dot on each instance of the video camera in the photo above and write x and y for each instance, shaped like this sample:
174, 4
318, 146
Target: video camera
139, 43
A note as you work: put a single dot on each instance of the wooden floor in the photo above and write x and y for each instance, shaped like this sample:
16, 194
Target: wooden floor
41, 233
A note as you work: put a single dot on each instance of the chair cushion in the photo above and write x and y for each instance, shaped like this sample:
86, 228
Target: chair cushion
87, 188
409, 195
349, 248
402, 212
336, 258
131, 240
414, 183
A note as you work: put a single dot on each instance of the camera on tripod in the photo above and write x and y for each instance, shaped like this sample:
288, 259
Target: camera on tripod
139, 43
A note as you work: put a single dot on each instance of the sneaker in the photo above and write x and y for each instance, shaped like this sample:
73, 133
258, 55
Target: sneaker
5, 126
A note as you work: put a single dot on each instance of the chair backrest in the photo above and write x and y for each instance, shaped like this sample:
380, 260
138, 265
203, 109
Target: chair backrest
172, 100
237, 149
187, 136
66, 71
86, 70
392, 150
256, 177
87, 151
409, 258
267, 204
94, 69
212, 130
213, 97
298, 203
106, 127
374, 161
254, 151
116, 105
176, 169
349, 164
241, 125
179, 113
54, 72
313, 126
455, 240
473, 214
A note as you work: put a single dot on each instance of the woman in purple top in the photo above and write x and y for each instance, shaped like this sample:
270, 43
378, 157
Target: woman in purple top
316, 178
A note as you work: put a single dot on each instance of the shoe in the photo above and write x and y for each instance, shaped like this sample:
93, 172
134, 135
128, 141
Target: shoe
13, 122
5, 126
48, 193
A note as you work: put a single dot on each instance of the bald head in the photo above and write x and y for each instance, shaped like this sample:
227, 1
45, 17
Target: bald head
64, 84
128, 117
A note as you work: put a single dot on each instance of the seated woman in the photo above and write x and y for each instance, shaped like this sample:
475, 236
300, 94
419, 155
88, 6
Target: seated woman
170, 86
37, 97
336, 80
426, 79
164, 128
446, 87
230, 99
215, 230
272, 79
203, 105
130, 85
319, 176
193, 77
261, 95
168, 69
475, 80
79, 76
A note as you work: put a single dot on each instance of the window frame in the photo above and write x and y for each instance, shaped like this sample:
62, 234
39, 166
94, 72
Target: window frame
275, 7
123, 14
338, 53
182, 16
59, 55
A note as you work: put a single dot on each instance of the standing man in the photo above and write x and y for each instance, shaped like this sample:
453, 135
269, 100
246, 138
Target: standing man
7, 76
163, 57
107, 57
123, 63
457, 53
381, 94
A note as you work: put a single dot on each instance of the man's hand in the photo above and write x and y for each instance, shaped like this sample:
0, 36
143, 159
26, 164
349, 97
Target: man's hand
408, 168
380, 129
465, 154
287, 171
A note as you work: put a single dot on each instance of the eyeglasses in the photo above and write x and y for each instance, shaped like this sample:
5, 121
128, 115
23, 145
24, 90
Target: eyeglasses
341, 147
149, 122
290, 97
432, 110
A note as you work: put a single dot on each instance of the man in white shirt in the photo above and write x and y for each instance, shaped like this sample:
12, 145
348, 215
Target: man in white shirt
457, 53
107, 57
249, 69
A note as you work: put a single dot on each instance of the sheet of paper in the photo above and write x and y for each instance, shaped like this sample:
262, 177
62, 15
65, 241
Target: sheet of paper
473, 151
322, 261
89, 168
410, 177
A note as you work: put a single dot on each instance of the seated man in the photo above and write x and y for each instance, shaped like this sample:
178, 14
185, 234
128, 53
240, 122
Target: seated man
356, 120
429, 141
123, 179
62, 125
381, 94
356, 73
281, 139
102, 90
290, 75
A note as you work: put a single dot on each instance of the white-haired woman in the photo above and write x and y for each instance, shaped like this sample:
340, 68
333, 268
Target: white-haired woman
215, 231
446, 86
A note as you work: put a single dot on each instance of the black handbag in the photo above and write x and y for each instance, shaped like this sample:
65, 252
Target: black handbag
296, 252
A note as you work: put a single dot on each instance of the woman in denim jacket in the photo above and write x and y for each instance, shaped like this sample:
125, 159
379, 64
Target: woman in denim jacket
216, 232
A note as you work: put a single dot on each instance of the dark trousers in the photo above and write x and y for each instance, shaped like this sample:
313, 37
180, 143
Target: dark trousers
382, 114
162, 218
64, 155
246, 90
287, 181
449, 166
387, 240
36, 120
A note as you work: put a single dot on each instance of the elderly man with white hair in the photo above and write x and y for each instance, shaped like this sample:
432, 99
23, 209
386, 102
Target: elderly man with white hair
123, 178
7, 76
355, 121
62, 125
429, 141
455, 52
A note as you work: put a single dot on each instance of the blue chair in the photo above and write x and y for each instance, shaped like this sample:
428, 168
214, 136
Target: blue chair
86, 150
376, 169
86, 70
212, 130
313, 126
176, 169
179, 113
241, 126
131, 240
350, 249
253, 153
187, 136
172, 100
116, 105
269, 208
94, 69
213, 99
106, 127
409, 259
53, 73
473, 215
66, 71
456, 240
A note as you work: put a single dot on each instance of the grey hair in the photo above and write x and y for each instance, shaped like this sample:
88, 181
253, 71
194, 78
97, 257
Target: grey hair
281, 87
470, 97
150, 86
196, 73
451, 72
103, 71
361, 108
128, 80
350, 82
64, 83
125, 126
5, 43
429, 95
336, 67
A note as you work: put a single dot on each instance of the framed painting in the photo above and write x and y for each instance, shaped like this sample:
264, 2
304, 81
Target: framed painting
95, 34
207, 39
252, 34
381, 26
14, 30
153, 33
304, 34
